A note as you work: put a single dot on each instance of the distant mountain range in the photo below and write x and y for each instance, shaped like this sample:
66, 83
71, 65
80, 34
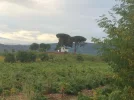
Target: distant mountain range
87, 49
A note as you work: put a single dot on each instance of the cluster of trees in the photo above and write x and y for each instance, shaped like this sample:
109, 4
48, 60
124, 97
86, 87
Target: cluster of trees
26, 56
20, 56
118, 49
68, 41
40, 47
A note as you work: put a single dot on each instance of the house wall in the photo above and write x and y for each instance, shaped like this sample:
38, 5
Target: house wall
63, 49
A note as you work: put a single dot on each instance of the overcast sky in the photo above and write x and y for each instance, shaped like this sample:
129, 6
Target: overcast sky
28, 21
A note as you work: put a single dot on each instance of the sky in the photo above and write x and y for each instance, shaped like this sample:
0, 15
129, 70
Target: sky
38, 21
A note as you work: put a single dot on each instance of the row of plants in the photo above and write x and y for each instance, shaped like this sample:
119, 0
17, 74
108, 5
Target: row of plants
29, 56
41, 78
26, 56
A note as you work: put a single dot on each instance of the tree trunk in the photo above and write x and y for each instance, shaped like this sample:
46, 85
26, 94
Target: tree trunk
75, 48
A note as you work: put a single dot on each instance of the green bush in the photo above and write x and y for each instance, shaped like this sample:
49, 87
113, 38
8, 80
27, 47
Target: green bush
31, 56
6, 92
21, 56
82, 97
106, 90
79, 58
9, 58
1, 90
115, 95
44, 57
51, 57
24, 56
123, 94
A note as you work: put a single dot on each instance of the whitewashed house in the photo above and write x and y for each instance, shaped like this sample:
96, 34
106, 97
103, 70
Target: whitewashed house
64, 49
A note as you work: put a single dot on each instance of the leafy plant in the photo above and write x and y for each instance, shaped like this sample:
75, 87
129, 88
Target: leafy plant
9, 58
82, 97
44, 57
39, 97
25, 56
79, 58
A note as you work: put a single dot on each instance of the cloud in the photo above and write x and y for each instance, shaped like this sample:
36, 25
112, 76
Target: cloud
45, 17
29, 7
3, 27
27, 37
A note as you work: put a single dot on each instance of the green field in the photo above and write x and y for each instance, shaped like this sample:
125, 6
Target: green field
63, 74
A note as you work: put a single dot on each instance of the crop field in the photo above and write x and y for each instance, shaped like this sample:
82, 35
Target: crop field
61, 77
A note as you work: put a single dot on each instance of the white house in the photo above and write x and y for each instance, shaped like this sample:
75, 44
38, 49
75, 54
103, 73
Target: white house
64, 49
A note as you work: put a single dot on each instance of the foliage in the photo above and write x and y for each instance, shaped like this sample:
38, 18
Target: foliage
82, 97
39, 97
64, 40
35, 79
9, 58
34, 46
78, 41
1, 90
122, 94
118, 48
67, 40
44, 47
5, 51
25, 56
21, 56
79, 58
13, 50
44, 56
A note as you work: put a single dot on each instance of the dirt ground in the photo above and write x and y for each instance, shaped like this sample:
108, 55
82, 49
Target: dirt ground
50, 96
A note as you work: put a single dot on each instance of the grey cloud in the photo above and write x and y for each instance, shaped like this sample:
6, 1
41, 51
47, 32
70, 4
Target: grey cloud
27, 3
77, 18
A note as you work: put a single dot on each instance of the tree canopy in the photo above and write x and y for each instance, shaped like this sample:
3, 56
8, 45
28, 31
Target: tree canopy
64, 40
67, 40
44, 47
118, 47
34, 46
78, 41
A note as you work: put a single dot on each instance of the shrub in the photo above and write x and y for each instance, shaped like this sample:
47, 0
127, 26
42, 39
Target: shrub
105, 90
21, 56
82, 97
24, 56
1, 90
44, 57
6, 92
51, 57
9, 58
31, 56
115, 95
65, 58
79, 58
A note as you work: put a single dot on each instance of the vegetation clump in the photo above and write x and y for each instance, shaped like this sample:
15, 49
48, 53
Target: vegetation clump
24, 56
117, 48
9, 57
79, 58
44, 57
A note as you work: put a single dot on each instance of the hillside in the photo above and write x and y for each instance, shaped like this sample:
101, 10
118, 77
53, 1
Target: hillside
87, 49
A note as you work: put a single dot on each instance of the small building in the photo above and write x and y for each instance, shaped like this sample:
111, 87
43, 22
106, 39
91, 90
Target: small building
63, 49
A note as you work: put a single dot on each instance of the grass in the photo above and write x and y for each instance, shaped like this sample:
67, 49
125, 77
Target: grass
1, 58
63, 74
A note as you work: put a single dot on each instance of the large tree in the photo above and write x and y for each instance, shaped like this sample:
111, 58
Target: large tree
78, 41
34, 46
118, 47
44, 47
64, 40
